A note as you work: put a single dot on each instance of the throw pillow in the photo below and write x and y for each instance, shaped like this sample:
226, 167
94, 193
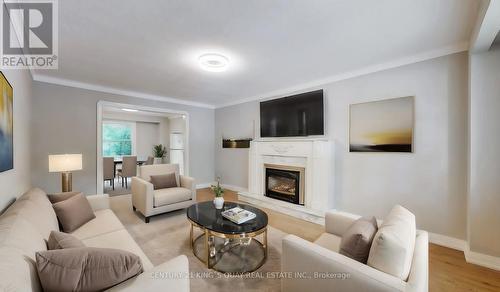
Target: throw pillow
357, 239
164, 181
61, 240
58, 197
85, 269
393, 245
73, 212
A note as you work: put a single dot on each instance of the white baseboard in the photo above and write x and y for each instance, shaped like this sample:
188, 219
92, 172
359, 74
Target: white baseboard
234, 188
471, 257
448, 241
480, 259
225, 186
203, 185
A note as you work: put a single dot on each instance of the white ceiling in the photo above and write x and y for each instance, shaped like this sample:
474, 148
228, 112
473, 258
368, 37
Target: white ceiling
151, 47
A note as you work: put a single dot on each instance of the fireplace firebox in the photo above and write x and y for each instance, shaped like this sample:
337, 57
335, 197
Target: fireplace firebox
285, 183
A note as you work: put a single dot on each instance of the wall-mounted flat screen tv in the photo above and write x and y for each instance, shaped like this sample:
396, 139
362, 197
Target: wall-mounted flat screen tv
293, 116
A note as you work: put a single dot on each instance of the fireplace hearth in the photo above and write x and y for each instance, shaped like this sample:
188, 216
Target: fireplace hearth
285, 183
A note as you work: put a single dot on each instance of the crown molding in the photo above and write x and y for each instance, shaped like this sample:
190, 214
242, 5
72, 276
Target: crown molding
112, 90
448, 50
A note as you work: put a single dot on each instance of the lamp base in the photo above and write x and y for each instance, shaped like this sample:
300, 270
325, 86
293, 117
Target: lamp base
66, 182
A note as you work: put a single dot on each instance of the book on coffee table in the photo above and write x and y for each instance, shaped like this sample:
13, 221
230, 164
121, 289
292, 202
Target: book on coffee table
238, 215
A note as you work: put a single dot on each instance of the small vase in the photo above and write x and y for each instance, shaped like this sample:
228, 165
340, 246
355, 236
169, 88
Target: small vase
219, 202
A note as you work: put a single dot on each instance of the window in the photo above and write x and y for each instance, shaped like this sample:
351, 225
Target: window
117, 138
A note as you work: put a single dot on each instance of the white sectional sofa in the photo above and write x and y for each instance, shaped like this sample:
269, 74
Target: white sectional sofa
323, 257
25, 226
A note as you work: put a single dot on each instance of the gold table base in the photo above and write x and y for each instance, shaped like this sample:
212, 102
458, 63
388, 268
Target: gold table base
209, 237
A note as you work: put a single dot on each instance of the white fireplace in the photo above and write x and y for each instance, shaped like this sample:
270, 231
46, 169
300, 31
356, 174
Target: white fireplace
312, 158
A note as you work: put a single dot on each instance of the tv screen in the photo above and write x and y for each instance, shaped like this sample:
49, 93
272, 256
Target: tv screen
293, 116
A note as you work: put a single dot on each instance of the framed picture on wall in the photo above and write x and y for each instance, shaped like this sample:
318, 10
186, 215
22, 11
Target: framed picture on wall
6, 125
382, 126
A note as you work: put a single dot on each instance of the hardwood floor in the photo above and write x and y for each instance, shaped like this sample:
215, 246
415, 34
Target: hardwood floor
448, 270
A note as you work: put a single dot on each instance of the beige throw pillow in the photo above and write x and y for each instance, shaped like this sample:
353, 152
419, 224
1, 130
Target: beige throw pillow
393, 245
85, 269
61, 240
73, 212
59, 197
164, 181
357, 239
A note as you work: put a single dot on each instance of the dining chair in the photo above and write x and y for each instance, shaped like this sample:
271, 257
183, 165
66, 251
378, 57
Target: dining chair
108, 166
129, 168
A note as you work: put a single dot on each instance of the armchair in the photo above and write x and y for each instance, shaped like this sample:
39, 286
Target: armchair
150, 202
322, 257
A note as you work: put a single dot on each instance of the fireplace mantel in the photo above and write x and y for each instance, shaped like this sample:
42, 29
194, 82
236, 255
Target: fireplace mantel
315, 155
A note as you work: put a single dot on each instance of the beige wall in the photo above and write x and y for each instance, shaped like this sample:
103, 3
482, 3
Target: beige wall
177, 125
147, 135
484, 186
430, 182
65, 122
16, 181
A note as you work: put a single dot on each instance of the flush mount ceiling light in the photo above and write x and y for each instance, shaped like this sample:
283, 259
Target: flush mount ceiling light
213, 62
129, 110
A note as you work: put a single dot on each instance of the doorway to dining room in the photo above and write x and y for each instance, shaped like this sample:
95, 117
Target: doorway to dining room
129, 136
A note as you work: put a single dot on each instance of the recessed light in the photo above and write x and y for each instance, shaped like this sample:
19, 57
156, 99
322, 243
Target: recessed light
213, 62
129, 110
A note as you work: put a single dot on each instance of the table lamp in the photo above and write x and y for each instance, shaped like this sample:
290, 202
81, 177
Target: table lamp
65, 163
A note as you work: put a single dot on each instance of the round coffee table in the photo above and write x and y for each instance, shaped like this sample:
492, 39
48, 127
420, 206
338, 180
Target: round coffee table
225, 246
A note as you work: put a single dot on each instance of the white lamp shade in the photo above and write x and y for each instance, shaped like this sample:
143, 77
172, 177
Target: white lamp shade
65, 162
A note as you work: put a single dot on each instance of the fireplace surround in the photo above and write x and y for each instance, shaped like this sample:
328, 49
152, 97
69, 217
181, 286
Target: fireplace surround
311, 158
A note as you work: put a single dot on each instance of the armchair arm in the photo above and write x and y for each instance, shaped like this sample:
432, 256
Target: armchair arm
188, 183
142, 195
98, 202
170, 276
418, 280
326, 270
337, 222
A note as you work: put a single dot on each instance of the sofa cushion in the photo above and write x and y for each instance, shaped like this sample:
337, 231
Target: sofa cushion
164, 181
16, 232
43, 219
85, 269
38, 196
170, 196
393, 244
329, 241
61, 240
119, 239
35, 207
73, 212
105, 221
357, 239
17, 271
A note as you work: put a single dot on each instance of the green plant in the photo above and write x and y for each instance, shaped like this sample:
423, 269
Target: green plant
217, 189
159, 151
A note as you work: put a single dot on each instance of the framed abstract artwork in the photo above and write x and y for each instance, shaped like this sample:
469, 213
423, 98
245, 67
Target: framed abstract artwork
382, 126
6, 125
